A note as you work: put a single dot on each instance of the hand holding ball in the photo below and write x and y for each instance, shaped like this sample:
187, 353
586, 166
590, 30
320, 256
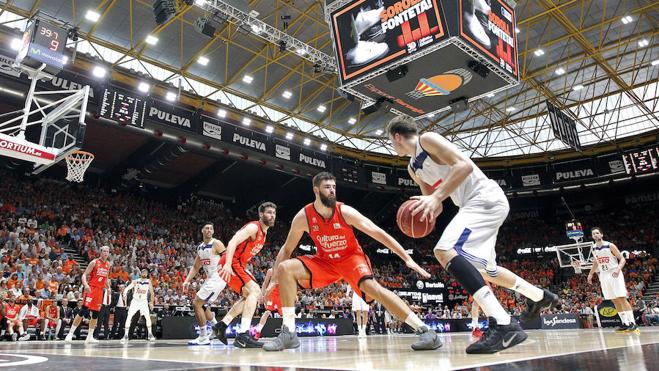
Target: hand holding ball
412, 226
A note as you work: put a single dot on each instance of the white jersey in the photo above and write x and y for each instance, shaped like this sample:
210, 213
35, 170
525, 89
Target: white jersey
434, 174
141, 290
209, 259
606, 261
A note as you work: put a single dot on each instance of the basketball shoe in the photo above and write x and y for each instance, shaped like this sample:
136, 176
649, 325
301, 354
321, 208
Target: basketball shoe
285, 340
201, 340
245, 340
220, 331
533, 309
428, 340
622, 328
367, 51
498, 338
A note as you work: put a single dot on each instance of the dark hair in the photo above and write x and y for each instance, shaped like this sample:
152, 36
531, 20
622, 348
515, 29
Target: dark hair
596, 228
321, 177
266, 205
207, 223
402, 125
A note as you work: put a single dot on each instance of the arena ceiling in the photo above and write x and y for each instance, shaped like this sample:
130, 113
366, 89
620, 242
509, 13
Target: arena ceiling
610, 78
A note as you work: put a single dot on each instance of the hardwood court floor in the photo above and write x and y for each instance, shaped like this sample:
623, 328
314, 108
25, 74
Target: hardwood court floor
568, 350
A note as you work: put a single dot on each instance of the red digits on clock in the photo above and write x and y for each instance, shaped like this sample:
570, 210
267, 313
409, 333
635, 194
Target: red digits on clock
54, 44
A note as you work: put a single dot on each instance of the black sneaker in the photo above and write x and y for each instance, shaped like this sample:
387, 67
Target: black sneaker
533, 309
633, 328
498, 338
220, 331
245, 340
622, 329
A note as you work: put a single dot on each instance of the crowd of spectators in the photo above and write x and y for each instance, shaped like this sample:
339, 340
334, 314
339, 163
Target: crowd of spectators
45, 224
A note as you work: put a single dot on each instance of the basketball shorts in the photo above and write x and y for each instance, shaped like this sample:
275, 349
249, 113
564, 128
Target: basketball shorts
140, 306
358, 304
93, 299
210, 289
32, 321
273, 303
473, 231
52, 323
613, 287
353, 269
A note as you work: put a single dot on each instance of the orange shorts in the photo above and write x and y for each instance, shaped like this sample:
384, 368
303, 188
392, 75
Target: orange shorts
240, 276
273, 302
94, 299
32, 321
353, 269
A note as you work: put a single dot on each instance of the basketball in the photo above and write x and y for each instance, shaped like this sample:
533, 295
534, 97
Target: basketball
412, 226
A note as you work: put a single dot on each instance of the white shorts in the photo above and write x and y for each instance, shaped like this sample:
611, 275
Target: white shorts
473, 231
359, 303
137, 306
613, 287
211, 289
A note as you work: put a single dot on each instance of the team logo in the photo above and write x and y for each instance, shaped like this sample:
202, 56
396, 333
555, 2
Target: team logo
315, 228
337, 226
363, 268
608, 312
530, 180
419, 285
443, 84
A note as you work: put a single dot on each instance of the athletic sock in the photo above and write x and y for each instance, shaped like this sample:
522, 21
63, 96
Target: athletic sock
90, 333
213, 321
245, 324
623, 317
288, 314
202, 331
630, 317
491, 306
259, 327
414, 321
227, 319
72, 330
523, 287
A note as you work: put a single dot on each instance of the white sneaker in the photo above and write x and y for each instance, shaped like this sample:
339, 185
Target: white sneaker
24, 337
477, 30
200, 341
367, 51
366, 19
68, 338
14, 336
91, 340
152, 338
124, 339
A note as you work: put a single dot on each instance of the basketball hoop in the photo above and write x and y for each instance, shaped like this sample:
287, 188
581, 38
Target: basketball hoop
77, 163
576, 264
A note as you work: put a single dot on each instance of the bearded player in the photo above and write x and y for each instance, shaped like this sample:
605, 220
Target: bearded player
208, 256
608, 264
339, 256
466, 247
244, 245
97, 271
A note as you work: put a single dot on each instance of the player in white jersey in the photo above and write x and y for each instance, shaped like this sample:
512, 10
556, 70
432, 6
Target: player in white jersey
142, 291
208, 256
466, 247
360, 308
608, 263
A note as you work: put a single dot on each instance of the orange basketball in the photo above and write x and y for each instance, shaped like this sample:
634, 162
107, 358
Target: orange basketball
412, 226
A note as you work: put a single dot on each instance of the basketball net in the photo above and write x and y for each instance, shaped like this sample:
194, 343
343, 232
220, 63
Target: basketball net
576, 264
77, 163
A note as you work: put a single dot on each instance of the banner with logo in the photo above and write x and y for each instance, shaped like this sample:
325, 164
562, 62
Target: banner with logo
170, 115
560, 321
314, 159
371, 34
7, 66
573, 171
610, 165
502, 177
251, 140
607, 314
378, 178
212, 128
490, 28
530, 177
402, 179
424, 292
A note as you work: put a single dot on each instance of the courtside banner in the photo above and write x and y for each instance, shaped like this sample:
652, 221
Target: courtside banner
171, 115
370, 34
489, 27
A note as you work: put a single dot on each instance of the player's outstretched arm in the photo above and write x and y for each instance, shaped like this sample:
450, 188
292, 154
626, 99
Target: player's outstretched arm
193, 272
298, 227
441, 151
364, 224
245, 233
87, 272
621, 259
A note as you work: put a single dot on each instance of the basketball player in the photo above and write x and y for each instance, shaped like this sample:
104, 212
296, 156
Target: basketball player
97, 271
52, 321
360, 308
339, 256
247, 242
608, 264
141, 289
208, 256
13, 321
467, 244
270, 300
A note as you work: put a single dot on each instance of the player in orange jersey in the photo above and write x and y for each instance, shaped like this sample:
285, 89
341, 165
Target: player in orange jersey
98, 271
339, 256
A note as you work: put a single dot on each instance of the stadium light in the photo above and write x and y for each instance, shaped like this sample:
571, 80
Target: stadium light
510, 109
539, 52
321, 108
92, 16
269, 129
247, 79
171, 96
143, 87
560, 71
577, 87
99, 72
289, 135
352, 121
151, 40
323, 147
287, 94
627, 19
247, 121
379, 132
203, 61
643, 43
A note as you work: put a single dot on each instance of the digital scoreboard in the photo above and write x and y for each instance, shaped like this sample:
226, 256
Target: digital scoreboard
123, 108
43, 42
642, 162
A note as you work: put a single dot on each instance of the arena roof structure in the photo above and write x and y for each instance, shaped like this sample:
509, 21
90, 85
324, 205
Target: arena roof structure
597, 59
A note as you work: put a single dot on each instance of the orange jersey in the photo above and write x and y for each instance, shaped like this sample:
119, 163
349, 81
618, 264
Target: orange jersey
99, 275
334, 238
53, 311
249, 248
11, 311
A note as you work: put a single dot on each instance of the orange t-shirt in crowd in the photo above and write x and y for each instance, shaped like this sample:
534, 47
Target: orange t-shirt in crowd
53, 285
40, 284
11, 283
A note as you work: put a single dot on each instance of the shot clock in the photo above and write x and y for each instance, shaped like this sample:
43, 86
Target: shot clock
43, 42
